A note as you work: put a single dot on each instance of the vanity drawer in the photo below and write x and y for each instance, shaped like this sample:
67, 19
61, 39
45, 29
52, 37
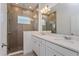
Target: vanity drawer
62, 50
51, 52
36, 39
39, 39
43, 41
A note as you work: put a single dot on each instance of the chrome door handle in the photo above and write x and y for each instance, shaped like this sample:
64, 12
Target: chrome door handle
3, 45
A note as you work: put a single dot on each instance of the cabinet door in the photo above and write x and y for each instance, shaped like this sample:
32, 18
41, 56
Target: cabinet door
37, 49
78, 54
51, 52
42, 50
48, 52
33, 44
63, 51
36, 46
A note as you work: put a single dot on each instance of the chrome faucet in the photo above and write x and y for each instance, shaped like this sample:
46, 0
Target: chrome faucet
67, 37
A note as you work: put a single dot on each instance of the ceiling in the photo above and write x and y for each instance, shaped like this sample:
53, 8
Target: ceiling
34, 6
30, 6
50, 5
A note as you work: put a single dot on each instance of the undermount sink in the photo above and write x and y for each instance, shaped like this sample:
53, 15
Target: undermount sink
71, 40
66, 41
44, 33
62, 38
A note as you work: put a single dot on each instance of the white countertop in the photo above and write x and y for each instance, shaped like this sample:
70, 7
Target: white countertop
59, 39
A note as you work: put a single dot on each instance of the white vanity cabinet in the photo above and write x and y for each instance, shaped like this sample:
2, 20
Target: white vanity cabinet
61, 50
36, 45
52, 52
43, 47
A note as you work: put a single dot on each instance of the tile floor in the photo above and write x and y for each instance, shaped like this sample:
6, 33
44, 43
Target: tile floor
29, 54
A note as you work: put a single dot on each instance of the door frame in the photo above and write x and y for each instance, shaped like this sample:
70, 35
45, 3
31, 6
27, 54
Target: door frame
3, 29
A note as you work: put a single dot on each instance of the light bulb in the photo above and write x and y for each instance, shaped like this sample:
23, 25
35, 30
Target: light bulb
42, 11
30, 7
16, 3
46, 7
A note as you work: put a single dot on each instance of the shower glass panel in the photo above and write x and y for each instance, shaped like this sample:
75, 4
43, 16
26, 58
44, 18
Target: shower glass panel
19, 20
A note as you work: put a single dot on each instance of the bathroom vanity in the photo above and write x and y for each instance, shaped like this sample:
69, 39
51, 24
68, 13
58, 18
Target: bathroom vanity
63, 22
48, 44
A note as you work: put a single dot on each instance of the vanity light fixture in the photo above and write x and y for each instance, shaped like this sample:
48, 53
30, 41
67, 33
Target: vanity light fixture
53, 14
16, 3
45, 10
35, 16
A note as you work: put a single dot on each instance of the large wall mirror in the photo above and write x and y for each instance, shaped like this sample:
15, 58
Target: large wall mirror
63, 18
49, 22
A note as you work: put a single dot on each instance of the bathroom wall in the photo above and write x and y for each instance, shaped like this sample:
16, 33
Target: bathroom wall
64, 14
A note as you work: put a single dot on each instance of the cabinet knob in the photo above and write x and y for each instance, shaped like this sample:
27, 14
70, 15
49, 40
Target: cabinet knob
54, 55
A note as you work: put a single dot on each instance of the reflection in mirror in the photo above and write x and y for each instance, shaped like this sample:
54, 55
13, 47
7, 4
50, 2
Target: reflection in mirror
49, 22
63, 18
